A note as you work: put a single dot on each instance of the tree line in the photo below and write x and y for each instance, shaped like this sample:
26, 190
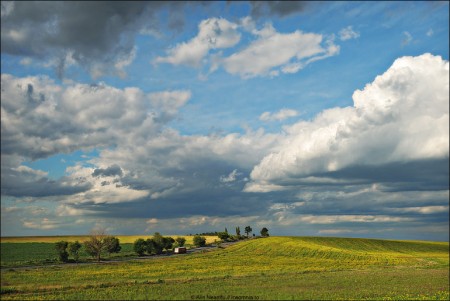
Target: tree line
97, 244
100, 243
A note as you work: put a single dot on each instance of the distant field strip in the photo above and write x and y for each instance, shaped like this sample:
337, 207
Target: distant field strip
122, 238
269, 268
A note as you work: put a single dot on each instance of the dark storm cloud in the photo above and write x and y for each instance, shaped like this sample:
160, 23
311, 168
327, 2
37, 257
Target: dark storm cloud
25, 182
432, 174
277, 8
93, 32
219, 203
113, 170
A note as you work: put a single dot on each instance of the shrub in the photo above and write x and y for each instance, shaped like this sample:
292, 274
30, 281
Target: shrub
74, 248
199, 241
112, 244
140, 246
181, 241
61, 248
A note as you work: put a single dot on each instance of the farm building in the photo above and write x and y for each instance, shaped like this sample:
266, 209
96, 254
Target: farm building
180, 250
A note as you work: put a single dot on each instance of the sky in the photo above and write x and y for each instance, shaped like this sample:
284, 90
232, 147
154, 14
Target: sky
308, 118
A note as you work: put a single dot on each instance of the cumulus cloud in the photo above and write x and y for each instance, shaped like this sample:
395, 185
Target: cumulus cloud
41, 118
278, 116
402, 116
213, 33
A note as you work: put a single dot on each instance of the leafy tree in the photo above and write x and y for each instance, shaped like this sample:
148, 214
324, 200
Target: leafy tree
199, 241
112, 244
238, 231
74, 248
61, 248
168, 243
181, 241
97, 243
223, 235
150, 246
248, 230
264, 232
140, 246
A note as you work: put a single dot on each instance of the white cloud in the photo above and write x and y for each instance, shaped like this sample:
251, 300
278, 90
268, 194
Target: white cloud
402, 115
348, 33
430, 32
278, 116
41, 118
230, 178
213, 33
275, 52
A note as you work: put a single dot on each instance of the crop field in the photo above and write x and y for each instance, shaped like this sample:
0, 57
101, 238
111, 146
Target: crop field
257, 269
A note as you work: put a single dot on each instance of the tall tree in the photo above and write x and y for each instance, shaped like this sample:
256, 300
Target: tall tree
98, 242
264, 232
238, 231
248, 230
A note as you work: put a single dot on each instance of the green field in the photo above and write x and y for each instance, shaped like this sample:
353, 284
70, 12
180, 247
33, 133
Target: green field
270, 268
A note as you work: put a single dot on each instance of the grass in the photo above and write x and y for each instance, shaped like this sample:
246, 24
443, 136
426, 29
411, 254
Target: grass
122, 238
40, 250
271, 268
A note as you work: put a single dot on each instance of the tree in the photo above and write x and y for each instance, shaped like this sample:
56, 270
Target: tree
74, 248
264, 232
248, 230
167, 243
226, 230
140, 246
158, 240
238, 231
223, 235
112, 244
61, 248
98, 243
181, 241
199, 241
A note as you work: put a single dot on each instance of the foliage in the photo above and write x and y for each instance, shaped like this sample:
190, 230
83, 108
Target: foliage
112, 244
180, 241
98, 243
264, 232
248, 230
61, 249
238, 231
74, 249
223, 235
199, 241
140, 246
167, 243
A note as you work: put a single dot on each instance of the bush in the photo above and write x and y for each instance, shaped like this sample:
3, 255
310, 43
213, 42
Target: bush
140, 246
61, 248
112, 244
74, 248
180, 241
223, 235
199, 241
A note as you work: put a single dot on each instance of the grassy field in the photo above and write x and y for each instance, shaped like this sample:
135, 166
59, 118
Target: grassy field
271, 268
40, 250
122, 238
